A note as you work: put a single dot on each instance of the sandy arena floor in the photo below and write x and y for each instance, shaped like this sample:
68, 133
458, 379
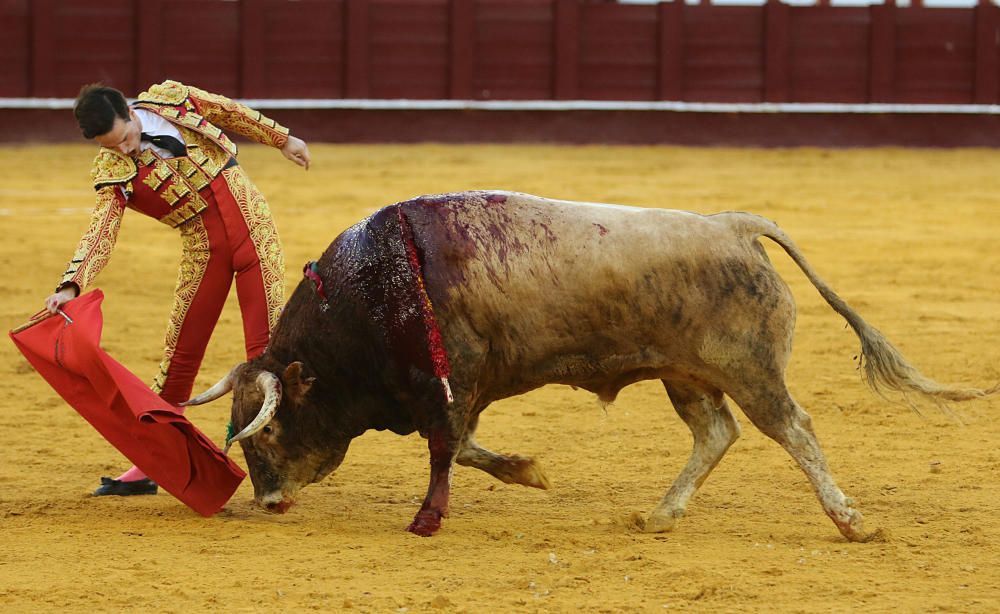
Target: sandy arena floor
908, 237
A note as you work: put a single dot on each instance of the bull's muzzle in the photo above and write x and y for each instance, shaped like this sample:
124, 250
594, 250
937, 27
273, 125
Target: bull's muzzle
275, 503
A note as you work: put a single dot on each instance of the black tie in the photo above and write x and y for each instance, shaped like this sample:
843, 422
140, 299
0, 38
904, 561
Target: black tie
171, 144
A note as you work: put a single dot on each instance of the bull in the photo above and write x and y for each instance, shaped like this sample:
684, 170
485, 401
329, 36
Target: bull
420, 316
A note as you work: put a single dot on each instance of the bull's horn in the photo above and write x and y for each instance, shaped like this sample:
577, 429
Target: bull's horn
223, 386
270, 386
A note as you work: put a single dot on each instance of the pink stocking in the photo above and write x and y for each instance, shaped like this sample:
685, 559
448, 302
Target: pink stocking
132, 475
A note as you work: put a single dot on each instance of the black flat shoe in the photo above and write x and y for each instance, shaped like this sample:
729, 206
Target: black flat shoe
118, 488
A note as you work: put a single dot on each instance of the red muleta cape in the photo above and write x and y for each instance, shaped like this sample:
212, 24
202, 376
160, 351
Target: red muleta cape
146, 429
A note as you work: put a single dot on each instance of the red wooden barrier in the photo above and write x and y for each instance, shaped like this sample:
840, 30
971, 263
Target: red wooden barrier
777, 25
523, 50
986, 53
505, 49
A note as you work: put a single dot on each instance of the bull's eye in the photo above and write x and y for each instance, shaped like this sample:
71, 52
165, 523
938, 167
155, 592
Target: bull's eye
267, 429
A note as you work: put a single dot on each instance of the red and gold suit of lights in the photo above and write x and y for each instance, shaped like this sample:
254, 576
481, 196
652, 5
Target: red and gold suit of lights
224, 221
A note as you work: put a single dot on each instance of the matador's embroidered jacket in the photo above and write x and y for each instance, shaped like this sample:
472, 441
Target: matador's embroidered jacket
165, 188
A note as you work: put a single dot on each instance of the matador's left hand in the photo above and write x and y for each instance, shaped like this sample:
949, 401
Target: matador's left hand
297, 151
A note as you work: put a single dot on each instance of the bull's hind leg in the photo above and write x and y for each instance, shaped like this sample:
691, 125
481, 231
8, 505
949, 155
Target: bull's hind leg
508, 469
714, 429
779, 417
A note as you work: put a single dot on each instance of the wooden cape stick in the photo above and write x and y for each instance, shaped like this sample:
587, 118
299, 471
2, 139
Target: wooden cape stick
39, 317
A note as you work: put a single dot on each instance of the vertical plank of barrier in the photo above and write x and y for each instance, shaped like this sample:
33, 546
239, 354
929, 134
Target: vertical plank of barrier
252, 32
567, 48
134, 86
776, 45
671, 57
43, 48
985, 90
882, 52
147, 42
462, 34
356, 33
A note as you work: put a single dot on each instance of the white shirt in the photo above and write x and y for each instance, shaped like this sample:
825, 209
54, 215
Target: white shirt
155, 125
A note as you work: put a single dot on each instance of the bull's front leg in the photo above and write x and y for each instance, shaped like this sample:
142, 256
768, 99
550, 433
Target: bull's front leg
443, 449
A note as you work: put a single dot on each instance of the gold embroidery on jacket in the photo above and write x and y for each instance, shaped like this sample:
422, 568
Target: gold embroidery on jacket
111, 167
191, 171
206, 153
194, 263
168, 92
94, 249
231, 115
175, 179
265, 239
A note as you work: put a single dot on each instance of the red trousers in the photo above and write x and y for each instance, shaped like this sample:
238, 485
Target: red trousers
234, 236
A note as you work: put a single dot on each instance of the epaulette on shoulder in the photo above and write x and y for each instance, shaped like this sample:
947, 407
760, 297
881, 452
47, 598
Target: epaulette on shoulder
168, 92
112, 167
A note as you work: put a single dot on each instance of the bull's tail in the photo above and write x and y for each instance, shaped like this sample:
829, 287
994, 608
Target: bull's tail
883, 366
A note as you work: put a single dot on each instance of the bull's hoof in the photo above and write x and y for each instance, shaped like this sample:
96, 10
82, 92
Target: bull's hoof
851, 526
425, 523
524, 471
660, 522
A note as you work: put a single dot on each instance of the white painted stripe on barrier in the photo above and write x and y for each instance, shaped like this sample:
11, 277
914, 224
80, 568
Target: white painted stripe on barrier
36, 103
401, 104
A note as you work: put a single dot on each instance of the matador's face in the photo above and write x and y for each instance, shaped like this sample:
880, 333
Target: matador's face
123, 136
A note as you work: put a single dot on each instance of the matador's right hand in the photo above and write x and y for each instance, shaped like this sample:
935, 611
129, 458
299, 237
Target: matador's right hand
57, 300
297, 151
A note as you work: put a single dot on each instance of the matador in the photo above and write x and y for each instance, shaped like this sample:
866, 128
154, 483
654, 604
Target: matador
166, 156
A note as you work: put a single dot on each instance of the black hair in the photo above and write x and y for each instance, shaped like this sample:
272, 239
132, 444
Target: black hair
96, 107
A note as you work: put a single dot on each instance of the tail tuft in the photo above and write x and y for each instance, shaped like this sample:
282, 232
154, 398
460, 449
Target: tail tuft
883, 367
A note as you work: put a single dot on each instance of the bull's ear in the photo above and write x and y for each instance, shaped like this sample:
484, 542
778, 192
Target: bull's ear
295, 386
